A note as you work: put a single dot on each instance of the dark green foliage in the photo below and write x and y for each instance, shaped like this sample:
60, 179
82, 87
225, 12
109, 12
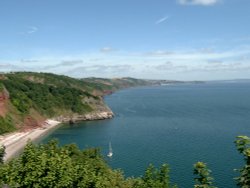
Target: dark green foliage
51, 94
154, 178
21, 101
6, 124
57, 80
103, 84
53, 166
203, 179
1, 87
48, 165
2, 153
46, 99
243, 146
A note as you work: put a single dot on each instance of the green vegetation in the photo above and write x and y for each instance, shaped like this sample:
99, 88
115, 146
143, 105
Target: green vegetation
50, 95
103, 84
53, 166
89, 85
6, 124
154, 177
2, 153
1, 87
47, 99
243, 146
203, 179
48, 165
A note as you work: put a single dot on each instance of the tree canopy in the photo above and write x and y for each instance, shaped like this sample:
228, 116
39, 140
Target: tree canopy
48, 165
51, 165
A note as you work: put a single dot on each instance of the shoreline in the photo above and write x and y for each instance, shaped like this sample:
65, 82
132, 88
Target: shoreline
16, 141
101, 115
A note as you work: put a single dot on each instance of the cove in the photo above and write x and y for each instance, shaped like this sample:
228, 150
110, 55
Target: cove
174, 124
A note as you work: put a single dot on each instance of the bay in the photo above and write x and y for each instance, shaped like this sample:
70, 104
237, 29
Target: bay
174, 124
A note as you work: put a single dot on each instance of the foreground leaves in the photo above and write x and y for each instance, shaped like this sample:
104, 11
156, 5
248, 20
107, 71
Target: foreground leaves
243, 146
203, 176
52, 166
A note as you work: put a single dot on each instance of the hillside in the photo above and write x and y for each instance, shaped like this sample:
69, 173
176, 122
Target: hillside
27, 98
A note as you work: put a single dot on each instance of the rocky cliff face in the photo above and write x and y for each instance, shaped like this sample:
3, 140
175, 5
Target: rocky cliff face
96, 115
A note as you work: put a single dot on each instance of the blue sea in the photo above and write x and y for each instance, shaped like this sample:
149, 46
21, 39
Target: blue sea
174, 124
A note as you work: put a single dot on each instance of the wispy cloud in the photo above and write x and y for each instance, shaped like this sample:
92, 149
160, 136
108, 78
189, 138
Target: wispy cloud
222, 66
32, 29
159, 53
161, 20
29, 61
71, 62
242, 39
207, 50
170, 67
100, 70
7, 67
198, 2
64, 63
198, 63
107, 49
196, 55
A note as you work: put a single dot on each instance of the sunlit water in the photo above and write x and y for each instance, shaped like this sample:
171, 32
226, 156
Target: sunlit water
178, 125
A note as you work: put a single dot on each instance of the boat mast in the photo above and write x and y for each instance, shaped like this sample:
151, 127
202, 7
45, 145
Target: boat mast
110, 148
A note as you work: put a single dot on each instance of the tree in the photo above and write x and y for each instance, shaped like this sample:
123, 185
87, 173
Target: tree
155, 178
48, 165
203, 179
243, 146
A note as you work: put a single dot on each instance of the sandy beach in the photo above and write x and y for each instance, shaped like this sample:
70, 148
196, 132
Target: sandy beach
16, 141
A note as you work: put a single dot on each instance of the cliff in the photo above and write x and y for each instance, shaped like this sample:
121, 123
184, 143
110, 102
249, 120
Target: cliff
28, 98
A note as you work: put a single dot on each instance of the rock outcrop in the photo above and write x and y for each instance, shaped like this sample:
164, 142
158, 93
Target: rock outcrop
96, 115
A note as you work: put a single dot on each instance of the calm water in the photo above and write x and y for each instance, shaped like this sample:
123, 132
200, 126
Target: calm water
178, 125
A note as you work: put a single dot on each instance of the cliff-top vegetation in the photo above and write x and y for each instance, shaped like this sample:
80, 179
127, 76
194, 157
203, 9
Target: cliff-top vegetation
28, 98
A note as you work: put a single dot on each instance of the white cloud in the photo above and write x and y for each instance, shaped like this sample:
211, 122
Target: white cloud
63, 63
200, 64
207, 50
198, 2
32, 29
71, 62
159, 53
170, 67
29, 61
107, 49
161, 20
200, 55
222, 67
7, 67
99, 70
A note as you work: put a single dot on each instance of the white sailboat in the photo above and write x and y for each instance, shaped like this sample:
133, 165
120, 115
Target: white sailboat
110, 154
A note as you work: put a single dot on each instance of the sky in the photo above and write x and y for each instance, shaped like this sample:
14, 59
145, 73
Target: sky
151, 39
